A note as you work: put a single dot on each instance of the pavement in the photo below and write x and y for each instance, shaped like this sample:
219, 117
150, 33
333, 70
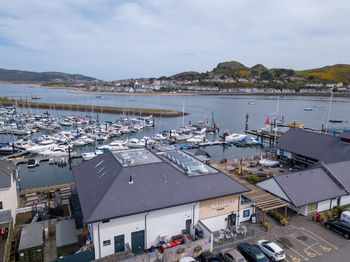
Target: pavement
306, 240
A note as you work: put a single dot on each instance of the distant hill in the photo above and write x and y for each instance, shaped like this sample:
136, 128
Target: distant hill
27, 76
335, 73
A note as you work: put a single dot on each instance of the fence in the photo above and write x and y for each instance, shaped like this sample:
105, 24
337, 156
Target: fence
225, 237
191, 249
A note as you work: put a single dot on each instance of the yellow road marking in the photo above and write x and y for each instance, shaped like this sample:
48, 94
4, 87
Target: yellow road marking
308, 247
283, 243
321, 238
295, 259
327, 249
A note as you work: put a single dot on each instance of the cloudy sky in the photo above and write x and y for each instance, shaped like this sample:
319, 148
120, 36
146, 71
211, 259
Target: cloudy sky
111, 39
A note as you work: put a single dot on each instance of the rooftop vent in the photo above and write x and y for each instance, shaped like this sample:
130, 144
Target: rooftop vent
165, 179
131, 181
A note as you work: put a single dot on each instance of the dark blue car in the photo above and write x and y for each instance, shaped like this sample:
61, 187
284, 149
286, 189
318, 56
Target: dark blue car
252, 253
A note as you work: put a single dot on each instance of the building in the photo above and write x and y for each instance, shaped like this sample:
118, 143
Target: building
8, 190
306, 148
315, 189
139, 198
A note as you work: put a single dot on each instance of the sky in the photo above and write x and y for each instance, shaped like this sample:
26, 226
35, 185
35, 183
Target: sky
111, 39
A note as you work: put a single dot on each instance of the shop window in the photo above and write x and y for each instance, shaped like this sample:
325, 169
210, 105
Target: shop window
312, 207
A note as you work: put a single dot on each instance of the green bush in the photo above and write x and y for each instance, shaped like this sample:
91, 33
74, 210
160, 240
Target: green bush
337, 210
283, 220
253, 178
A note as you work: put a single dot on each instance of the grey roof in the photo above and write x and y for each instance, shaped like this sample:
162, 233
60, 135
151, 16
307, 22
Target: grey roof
6, 169
5, 216
66, 233
308, 186
155, 186
31, 236
318, 146
341, 171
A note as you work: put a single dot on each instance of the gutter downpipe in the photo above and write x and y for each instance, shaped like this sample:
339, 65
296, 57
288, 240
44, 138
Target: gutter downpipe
194, 213
146, 229
99, 242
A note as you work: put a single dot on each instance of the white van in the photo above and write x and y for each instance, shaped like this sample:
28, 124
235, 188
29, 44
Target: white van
345, 216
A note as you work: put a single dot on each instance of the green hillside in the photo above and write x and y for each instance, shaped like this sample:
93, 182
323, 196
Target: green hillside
27, 76
335, 73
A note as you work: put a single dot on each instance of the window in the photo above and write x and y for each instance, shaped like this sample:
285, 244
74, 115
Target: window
106, 243
312, 207
246, 213
1, 205
105, 221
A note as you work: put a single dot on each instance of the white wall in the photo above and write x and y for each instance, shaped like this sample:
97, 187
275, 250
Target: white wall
323, 205
345, 200
8, 197
243, 219
115, 227
169, 221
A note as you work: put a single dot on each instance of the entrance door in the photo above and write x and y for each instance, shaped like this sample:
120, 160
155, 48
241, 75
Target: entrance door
119, 243
231, 220
138, 242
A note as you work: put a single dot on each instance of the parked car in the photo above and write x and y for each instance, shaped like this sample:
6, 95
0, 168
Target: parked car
339, 227
231, 255
209, 257
345, 216
252, 253
187, 259
271, 250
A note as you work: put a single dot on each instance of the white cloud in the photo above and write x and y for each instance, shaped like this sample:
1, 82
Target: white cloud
121, 39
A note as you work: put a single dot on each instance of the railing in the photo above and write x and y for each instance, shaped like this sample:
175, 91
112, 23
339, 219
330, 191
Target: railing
229, 236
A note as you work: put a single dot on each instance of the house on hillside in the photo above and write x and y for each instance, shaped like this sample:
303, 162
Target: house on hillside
140, 198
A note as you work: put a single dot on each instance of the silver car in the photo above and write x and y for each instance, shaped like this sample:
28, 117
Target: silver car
271, 250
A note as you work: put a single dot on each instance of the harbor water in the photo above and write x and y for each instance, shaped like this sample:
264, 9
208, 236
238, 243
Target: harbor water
229, 114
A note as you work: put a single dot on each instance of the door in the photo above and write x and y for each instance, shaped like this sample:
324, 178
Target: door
118, 243
138, 242
188, 225
231, 220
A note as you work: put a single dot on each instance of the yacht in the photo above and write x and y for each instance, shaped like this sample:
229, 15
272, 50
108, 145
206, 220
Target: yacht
135, 143
232, 137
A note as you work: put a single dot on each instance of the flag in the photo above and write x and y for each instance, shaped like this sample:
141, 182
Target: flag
267, 120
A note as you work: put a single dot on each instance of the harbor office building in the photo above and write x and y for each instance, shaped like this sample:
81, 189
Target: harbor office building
138, 197
301, 148
315, 189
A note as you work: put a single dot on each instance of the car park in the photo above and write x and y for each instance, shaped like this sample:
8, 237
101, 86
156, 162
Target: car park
339, 227
209, 257
231, 255
252, 253
271, 250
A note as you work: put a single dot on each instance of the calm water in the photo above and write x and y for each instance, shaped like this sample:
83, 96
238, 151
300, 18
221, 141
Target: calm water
229, 111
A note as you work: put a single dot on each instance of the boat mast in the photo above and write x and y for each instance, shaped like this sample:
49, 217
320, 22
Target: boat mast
329, 111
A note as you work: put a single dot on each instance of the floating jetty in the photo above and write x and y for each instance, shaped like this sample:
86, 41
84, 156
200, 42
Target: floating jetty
96, 109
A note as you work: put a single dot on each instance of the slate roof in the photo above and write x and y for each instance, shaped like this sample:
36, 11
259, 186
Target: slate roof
155, 186
341, 171
6, 169
318, 146
31, 236
5, 216
308, 186
66, 233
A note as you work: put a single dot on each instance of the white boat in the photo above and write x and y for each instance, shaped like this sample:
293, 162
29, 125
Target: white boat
55, 151
159, 137
200, 130
196, 139
135, 143
88, 155
269, 163
118, 142
251, 141
38, 148
183, 136
78, 142
233, 137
